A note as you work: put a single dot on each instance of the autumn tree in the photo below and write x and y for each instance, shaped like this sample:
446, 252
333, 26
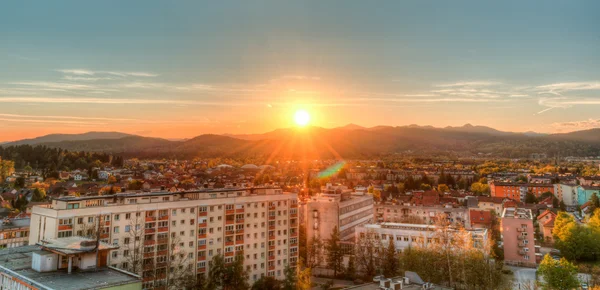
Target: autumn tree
39, 194
390, 259
231, 276
266, 283
366, 250
558, 275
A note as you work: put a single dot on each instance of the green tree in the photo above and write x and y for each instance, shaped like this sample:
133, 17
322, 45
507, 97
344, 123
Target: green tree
558, 275
335, 254
289, 283
39, 194
390, 262
266, 283
594, 203
227, 276
351, 269
20, 182
530, 198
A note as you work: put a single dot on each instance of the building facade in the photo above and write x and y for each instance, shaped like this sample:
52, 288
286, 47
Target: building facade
425, 214
518, 237
260, 224
567, 193
518, 191
324, 212
14, 233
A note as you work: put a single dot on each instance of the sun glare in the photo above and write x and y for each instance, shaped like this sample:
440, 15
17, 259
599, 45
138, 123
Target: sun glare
301, 118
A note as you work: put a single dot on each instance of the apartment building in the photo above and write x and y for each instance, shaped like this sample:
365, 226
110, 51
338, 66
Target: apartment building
425, 214
518, 191
345, 211
567, 193
260, 224
14, 232
518, 237
412, 235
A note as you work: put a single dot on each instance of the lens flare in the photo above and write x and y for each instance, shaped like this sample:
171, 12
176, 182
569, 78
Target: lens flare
329, 171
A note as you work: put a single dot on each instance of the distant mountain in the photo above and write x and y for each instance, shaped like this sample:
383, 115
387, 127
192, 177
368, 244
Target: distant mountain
68, 137
351, 141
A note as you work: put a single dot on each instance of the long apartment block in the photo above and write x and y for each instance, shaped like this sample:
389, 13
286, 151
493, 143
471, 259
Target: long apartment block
261, 224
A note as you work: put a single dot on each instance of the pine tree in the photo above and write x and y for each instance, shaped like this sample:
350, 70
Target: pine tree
390, 262
335, 254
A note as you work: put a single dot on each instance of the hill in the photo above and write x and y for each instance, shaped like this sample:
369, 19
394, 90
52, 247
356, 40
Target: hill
68, 137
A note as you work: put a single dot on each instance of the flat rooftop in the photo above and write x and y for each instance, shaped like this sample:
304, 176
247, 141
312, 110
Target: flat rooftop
17, 262
517, 213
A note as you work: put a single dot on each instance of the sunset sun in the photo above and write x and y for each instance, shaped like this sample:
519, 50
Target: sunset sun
301, 117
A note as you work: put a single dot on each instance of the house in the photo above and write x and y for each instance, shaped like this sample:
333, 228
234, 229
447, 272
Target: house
491, 203
480, 219
103, 175
546, 224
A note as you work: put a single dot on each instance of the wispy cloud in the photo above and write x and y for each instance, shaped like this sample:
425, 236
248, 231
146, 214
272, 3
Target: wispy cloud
19, 120
55, 85
470, 84
85, 72
569, 86
65, 117
576, 125
544, 110
86, 79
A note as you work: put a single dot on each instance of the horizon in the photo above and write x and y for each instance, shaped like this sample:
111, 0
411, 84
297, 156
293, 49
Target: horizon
178, 72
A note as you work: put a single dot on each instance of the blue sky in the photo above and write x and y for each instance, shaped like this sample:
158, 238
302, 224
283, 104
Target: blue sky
180, 69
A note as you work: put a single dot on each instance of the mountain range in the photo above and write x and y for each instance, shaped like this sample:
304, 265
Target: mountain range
350, 141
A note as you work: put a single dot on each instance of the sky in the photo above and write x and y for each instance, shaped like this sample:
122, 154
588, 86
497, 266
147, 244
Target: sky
186, 68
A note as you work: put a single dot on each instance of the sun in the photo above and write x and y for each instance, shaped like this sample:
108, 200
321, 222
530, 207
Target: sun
302, 118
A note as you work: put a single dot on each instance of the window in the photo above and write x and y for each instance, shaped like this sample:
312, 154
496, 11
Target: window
127, 229
117, 217
174, 212
115, 242
127, 216
116, 230
126, 241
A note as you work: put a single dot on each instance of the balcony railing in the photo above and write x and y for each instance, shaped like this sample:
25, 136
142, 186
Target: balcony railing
150, 218
163, 229
149, 230
229, 211
202, 225
522, 245
203, 213
163, 217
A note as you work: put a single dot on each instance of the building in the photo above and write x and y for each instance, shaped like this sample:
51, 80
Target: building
423, 214
412, 235
324, 212
495, 204
67, 264
259, 223
567, 193
14, 233
518, 191
546, 225
518, 237
481, 219
585, 192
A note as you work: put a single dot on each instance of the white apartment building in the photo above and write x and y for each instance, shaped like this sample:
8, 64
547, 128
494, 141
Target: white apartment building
261, 224
412, 235
566, 192
428, 214
345, 211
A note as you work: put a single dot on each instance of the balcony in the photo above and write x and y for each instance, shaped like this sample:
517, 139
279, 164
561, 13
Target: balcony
271, 228
229, 211
202, 225
520, 238
65, 227
107, 223
203, 213
201, 258
202, 236
521, 229
271, 217
272, 247
294, 205
271, 238
229, 222
149, 242
163, 229
162, 241
229, 243
271, 207
522, 245
148, 254
104, 236
239, 242
163, 218
239, 210
202, 270
294, 234
150, 219
149, 266
239, 221
293, 215
522, 252
239, 231
271, 268
271, 258
293, 244
161, 265
228, 233
229, 254
202, 247
149, 230
162, 253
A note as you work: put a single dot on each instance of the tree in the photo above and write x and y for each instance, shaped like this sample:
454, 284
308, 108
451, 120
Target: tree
335, 254
480, 188
7, 167
530, 198
351, 269
39, 194
289, 283
558, 274
266, 283
134, 232
227, 277
367, 254
20, 182
112, 180
303, 277
594, 203
443, 188
314, 252
390, 262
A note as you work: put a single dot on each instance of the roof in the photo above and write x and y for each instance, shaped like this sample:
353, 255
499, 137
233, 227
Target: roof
480, 217
546, 212
16, 262
15, 223
74, 245
550, 223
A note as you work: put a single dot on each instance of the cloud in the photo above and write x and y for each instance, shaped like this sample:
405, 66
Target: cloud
87, 79
576, 125
65, 117
544, 110
45, 121
470, 84
114, 73
75, 100
55, 85
569, 86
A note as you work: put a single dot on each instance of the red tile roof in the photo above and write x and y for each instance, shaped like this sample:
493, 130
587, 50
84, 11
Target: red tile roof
480, 217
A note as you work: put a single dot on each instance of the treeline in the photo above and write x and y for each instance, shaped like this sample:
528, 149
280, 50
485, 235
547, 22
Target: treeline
47, 160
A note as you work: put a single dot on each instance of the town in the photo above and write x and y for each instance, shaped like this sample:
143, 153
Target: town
471, 223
